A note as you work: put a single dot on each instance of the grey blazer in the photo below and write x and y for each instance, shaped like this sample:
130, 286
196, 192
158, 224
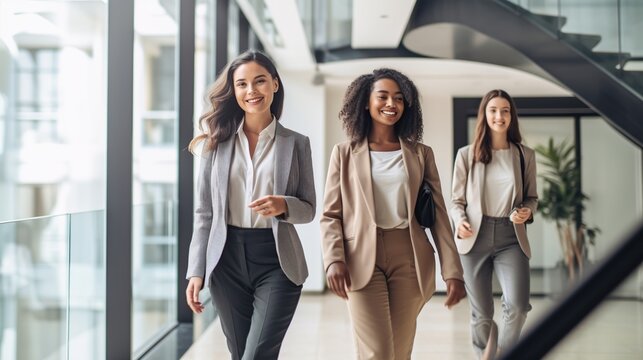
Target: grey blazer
293, 179
466, 194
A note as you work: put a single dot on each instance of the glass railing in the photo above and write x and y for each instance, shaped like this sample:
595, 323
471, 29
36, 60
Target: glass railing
52, 283
608, 31
52, 287
154, 275
594, 319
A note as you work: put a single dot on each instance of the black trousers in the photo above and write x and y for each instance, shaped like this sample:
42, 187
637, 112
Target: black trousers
253, 297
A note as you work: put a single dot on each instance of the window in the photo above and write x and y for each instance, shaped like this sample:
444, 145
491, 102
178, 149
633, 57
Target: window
37, 96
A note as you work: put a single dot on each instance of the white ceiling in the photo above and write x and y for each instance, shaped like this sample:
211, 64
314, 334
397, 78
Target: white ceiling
379, 23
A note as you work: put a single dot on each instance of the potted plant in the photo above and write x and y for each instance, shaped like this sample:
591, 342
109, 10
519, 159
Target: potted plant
563, 201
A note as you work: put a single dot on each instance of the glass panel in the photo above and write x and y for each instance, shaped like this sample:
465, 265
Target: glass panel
87, 285
154, 275
52, 107
606, 30
611, 331
204, 76
305, 8
154, 171
612, 178
233, 30
631, 25
34, 285
204, 51
597, 17
340, 23
266, 21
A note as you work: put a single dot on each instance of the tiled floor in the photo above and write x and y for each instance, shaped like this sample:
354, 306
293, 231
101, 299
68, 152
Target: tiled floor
321, 330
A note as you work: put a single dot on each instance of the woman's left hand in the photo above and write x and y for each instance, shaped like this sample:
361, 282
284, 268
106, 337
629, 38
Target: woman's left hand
270, 205
520, 215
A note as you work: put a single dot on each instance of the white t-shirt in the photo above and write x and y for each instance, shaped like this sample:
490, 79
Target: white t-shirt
390, 183
498, 184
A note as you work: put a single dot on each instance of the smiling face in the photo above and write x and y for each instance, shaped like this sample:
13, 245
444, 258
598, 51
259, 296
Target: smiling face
386, 102
498, 114
254, 88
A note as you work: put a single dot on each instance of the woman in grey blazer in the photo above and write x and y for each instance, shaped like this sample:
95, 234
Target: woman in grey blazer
255, 182
494, 195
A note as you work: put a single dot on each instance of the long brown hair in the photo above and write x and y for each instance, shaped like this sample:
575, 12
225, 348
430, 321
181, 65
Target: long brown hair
224, 115
357, 122
482, 138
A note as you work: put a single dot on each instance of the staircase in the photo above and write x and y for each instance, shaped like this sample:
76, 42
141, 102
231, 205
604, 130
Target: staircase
604, 80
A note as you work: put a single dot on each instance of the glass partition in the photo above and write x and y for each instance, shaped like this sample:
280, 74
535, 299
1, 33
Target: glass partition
605, 30
154, 277
52, 107
52, 287
34, 300
154, 162
328, 24
52, 283
612, 330
86, 323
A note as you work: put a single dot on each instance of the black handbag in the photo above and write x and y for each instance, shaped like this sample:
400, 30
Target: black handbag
425, 207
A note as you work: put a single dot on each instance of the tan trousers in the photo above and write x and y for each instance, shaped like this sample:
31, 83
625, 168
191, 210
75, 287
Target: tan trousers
384, 312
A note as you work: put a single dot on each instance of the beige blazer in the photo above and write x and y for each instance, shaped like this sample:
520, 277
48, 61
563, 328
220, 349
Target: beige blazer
348, 228
466, 194
293, 178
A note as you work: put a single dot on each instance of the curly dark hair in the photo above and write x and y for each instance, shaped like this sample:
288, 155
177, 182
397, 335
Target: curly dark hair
482, 138
357, 121
224, 115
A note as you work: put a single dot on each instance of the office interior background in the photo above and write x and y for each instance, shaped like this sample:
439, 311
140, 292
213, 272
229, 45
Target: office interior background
99, 98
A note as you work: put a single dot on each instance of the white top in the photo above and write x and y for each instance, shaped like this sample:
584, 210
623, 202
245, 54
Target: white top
251, 179
498, 184
390, 183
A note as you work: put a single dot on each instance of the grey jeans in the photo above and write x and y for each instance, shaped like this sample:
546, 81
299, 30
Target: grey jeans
496, 250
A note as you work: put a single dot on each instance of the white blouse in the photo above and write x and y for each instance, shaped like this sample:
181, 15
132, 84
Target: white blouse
251, 178
390, 184
498, 184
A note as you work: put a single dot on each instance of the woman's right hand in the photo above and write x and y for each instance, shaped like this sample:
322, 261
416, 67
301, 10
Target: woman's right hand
338, 279
464, 230
192, 294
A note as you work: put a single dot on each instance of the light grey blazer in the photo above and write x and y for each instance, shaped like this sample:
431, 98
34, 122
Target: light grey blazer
293, 179
467, 194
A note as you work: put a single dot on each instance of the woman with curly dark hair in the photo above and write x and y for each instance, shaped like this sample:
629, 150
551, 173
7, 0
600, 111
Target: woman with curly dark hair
255, 182
376, 254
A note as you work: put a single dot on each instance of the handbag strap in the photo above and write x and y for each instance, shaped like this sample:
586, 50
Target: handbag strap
522, 169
